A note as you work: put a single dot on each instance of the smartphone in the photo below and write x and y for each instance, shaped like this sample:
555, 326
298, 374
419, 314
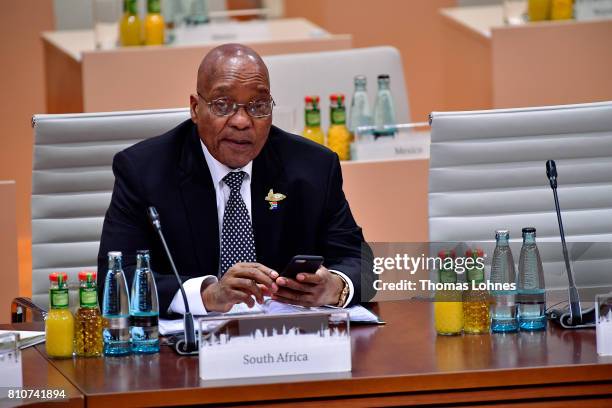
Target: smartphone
302, 263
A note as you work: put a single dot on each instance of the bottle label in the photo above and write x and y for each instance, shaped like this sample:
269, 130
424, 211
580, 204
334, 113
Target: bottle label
448, 276
476, 275
59, 298
144, 321
313, 118
88, 297
338, 116
117, 322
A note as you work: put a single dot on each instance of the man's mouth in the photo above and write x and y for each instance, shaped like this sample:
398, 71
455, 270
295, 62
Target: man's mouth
238, 143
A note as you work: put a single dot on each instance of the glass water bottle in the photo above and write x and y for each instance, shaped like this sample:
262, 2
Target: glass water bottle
144, 308
115, 309
503, 308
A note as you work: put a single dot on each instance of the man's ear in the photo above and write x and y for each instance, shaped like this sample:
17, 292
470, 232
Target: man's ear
193, 107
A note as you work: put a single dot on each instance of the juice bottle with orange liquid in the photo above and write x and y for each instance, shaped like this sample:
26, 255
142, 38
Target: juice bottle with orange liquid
338, 135
562, 10
129, 27
448, 305
59, 324
538, 10
312, 120
154, 24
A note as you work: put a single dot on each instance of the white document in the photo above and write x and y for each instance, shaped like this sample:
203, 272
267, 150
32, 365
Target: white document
27, 338
357, 313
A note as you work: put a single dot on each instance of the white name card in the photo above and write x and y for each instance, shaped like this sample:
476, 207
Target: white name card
273, 352
410, 145
592, 9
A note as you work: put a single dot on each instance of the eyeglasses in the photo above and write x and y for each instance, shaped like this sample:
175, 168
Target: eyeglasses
260, 108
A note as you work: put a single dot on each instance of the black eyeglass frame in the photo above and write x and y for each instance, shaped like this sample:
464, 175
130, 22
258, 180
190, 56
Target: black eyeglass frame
237, 106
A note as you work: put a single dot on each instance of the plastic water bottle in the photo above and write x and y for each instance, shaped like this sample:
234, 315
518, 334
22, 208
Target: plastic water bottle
360, 114
384, 112
531, 288
144, 309
503, 309
115, 309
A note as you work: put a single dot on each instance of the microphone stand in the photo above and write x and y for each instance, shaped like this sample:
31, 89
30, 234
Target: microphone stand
188, 344
575, 310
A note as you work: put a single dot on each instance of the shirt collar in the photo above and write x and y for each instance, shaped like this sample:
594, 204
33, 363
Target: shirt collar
219, 170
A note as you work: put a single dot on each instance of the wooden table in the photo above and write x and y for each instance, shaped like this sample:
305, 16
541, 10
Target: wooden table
80, 78
401, 363
39, 374
488, 64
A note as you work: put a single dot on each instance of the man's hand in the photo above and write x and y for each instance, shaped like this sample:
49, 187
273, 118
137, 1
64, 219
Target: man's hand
239, 284
310, 289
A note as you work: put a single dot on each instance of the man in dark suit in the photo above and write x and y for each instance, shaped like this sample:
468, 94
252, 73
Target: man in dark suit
237, 198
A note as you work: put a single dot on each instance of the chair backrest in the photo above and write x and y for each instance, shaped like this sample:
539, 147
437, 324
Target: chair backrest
72, 181
294, 76
487, 172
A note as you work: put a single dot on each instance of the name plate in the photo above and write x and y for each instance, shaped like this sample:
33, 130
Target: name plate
271, 345
592, 9
404, 145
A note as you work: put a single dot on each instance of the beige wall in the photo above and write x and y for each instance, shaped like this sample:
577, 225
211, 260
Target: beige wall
413, 26
9, 288
575, 67
22, 88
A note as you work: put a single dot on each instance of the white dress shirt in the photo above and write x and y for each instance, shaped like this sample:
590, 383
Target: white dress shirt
194, 286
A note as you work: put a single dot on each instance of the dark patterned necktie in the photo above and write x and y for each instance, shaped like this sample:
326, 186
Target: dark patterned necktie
237, 238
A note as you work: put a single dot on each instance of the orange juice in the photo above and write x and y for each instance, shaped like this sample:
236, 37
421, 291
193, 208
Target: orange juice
338, 135
129, 26
448, 317
154, 24
538, 10
562, 10
59, 324
448, 305
312, 120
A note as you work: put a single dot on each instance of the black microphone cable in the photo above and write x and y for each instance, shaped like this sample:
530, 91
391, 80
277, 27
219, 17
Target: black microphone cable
187, 345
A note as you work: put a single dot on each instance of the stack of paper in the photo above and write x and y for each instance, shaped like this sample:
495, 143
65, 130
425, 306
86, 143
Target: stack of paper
356, 314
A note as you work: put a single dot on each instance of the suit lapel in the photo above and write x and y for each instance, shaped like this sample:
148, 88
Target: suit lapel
268, 224
199, 199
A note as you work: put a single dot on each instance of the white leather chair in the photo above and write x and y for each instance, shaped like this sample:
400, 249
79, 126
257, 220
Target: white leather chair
72, 183
293, 76
487, 172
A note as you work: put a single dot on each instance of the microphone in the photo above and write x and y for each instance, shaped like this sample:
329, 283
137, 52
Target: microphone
575, 311
551, 173
188, 344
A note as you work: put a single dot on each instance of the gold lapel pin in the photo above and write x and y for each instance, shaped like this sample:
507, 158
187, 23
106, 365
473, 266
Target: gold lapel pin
273, 198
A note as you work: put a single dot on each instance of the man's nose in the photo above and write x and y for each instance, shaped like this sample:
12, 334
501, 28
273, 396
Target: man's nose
240, 119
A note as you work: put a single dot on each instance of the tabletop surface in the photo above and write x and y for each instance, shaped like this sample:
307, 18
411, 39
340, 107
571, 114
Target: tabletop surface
483, 20
37, 374
75, 42
479, 19
405, 355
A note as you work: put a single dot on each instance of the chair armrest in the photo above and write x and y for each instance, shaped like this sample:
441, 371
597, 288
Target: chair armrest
20, 307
